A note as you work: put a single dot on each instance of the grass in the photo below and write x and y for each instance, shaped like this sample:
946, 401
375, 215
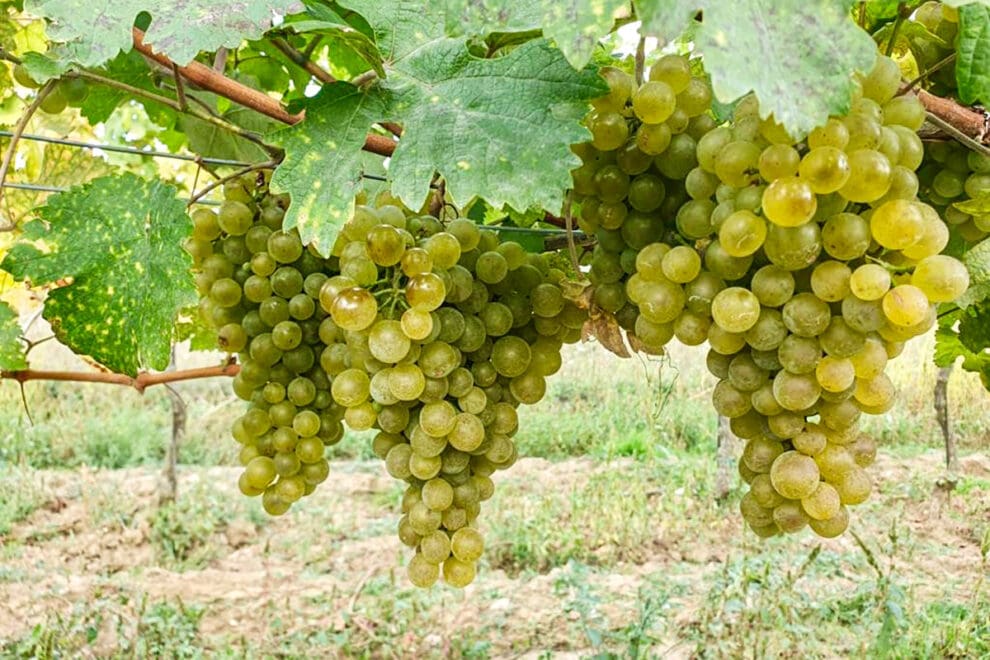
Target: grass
613, 545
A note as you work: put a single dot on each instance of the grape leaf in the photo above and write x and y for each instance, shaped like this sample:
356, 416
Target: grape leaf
499, 129
11, 347
960, 3
130, 68
117, 239
797, 55
973, 54
208, 140
575, 25
977, 261
322, 166
666, 19
974, 327
96, 31
42, 68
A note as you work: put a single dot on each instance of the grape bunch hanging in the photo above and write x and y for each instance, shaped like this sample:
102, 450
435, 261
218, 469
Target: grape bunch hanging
805, 265
430, 333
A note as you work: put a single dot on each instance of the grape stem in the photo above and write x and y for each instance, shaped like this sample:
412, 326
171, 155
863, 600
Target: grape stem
15, 137
140, 382
889, 266
219, 182
214, 81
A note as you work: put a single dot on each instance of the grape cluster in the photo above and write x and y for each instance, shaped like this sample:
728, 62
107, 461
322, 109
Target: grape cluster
430, 333
953, 174
259, 289
438, 334
640, 167
805, 265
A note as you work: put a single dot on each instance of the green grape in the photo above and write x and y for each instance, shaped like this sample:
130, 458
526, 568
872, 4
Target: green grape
905, 305
759, 454
661, 302
790, 518
425, 292
620, 86
654, 102
653, 139
941, 278
778, 161
799, 355
351, 387
897, 224
730, 401
772, 285
609, 131
854, 487
646, 193
869, 282
826, 169
354, 309
794, 475
737, 163
724, 265
830, 281
673, 70
833, 134
846, 236
789, 202
681, 264
696, 98
742, 233
835, 374
793, 248
870, 176
768, 332
679, 158
387, 341
709, 146
796, 392
699, 184
467, 544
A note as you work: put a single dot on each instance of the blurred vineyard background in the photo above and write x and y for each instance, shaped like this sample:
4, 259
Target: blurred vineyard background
618, 534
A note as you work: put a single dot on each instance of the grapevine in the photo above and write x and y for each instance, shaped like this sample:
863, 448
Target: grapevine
803, 232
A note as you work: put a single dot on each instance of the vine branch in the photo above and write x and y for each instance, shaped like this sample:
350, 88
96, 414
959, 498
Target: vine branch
140, 382
216, 82
15, 137
972, 127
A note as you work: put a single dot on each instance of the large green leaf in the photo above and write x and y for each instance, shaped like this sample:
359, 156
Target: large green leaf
117, 239
499, 129
574, 25
11, 347
973, 54
322, 166
130, 68
96, 30
797, 55
977, 260
666, 19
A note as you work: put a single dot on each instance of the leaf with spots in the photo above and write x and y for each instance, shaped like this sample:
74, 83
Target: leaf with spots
323, 162
499, 129
797, 55
666, 19
112, 250
11, 347
94, 31
575, 26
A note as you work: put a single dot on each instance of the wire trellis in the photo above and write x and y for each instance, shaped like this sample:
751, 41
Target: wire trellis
39, 187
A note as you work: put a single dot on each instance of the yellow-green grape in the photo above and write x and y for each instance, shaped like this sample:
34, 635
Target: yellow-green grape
737, 163
608, 131
778, 161
772, 285
897, 224
835, 374
875, 392
823, 503
905, 305
458, 573
742, 233
789, 202
869, 282
883, 81
811, 441
620, 87
830, 280
846, 236
760, 453
654, 102
790, 517
673, 70
825, 169
435, 547
870, 360
833, 526
941, 278
422, 573
764, 493
796, 392
681, 264
735, 309
934, 235
467, 544
653, 139
833, 134
354, 309
854, 487
869, 176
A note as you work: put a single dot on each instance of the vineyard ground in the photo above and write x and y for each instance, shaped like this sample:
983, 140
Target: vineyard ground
608, 539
